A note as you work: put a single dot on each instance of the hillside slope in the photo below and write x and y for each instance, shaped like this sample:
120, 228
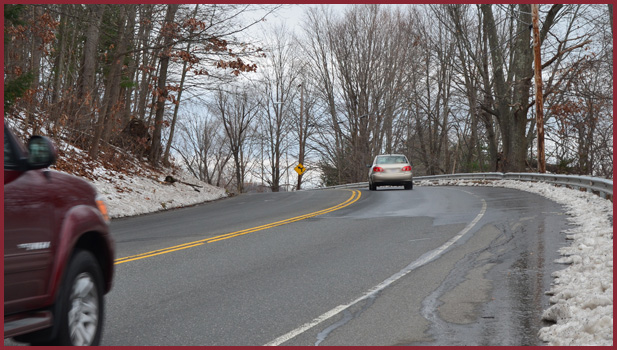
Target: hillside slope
128, 185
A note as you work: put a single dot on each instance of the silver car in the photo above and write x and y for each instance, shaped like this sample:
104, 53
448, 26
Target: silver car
390, 170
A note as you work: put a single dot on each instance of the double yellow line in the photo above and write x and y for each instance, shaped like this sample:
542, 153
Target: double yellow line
355, 196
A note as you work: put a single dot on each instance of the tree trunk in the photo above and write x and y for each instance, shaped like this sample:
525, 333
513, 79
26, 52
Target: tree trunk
155, 152
178, 98
523, 74
485, 116
128, 91
85, 91
147, 61
56, 110
35, 68
112, 88
501, 91
302, 132
511, 112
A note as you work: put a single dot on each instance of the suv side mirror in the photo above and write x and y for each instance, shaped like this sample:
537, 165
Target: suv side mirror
41, 152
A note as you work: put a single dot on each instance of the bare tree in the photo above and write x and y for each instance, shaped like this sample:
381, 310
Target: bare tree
203, 148
162, 90
432, 90
330, 139
472, 72
279, 81
179, 96
448, 85
363, 55
112, 86
237, 111
87, 99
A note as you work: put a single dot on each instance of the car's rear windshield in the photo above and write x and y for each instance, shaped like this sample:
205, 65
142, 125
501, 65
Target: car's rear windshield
391, 160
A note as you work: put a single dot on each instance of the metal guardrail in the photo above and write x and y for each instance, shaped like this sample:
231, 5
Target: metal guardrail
599, 186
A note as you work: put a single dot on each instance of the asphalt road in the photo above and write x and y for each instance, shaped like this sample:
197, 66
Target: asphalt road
432, 266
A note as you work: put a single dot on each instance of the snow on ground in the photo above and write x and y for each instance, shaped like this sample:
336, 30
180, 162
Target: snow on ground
127, 195
132, 188
582, 293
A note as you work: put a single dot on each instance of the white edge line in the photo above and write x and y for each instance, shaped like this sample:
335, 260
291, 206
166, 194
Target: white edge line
280, 340
426, 258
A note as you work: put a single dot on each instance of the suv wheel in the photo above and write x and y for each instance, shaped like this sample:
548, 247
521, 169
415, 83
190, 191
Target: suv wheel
409, 186
81, 302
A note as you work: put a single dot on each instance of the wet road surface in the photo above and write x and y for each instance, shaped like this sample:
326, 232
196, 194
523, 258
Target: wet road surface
432, 266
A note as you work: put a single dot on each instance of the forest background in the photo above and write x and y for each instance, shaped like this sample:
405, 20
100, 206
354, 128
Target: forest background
239, 104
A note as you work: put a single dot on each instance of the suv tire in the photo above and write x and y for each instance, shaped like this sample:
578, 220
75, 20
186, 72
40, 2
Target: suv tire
81, 302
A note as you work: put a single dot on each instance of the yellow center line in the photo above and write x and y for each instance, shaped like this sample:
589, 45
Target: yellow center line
147, 255
354, 198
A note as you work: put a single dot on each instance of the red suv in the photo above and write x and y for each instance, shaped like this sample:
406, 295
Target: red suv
58, 252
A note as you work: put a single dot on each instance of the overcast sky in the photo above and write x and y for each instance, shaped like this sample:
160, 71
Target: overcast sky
291, 15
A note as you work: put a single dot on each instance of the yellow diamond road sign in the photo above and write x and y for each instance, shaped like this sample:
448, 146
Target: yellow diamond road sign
300, 169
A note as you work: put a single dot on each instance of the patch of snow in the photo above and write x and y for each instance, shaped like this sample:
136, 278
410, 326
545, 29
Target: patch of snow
128, 195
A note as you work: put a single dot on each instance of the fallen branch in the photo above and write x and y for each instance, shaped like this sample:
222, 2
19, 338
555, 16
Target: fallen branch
170, 180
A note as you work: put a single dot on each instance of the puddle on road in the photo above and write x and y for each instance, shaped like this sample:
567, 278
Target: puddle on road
486, 300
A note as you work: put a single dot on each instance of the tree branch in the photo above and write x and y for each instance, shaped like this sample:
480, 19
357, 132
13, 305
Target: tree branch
549, 62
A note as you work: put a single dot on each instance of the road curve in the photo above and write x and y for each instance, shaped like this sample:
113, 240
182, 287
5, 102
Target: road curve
432, 266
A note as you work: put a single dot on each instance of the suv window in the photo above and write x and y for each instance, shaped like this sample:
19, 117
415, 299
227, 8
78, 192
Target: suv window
9, 154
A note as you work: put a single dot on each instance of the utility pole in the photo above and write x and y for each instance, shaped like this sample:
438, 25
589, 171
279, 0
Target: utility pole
538, 78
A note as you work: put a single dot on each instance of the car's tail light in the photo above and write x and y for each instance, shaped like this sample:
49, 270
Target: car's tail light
377, 169
407, 168
100, 204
